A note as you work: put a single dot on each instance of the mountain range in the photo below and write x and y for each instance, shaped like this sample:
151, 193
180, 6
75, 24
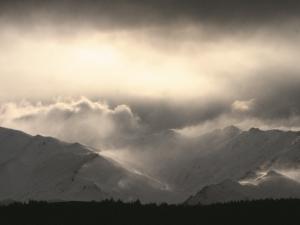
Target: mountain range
223, 165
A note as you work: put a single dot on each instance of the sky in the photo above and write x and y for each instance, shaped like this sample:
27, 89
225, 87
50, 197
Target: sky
109, 72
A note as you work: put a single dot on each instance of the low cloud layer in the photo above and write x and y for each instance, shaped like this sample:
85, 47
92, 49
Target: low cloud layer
84, 121
143, 133
123, 122
268, 98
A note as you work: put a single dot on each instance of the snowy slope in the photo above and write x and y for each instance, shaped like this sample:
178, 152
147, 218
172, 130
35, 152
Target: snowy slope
222, 155
271, 185
187, 164
43, 168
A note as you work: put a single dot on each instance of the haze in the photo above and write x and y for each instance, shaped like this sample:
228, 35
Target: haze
189, 67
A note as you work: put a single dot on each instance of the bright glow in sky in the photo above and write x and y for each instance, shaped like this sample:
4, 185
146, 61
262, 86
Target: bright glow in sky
95, 63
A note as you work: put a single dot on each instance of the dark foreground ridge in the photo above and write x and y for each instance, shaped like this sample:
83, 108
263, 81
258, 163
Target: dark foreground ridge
111, 212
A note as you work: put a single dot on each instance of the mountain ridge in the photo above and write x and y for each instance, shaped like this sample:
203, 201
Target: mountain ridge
272, 185
44, 168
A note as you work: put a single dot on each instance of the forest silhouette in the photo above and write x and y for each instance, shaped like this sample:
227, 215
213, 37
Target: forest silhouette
116, 212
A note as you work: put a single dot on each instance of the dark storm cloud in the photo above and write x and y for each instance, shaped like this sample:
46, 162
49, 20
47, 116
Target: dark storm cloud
272, 95
122, 13
276, 95
272, 99
162, 114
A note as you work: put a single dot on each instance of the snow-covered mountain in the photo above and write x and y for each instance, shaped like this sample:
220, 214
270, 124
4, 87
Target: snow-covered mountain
44, 168
187, 164
230, 154
243, 167
270, 185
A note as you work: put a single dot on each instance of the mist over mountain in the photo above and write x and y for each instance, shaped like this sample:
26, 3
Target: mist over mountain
238, 154
223, 164
271, 185
191, 103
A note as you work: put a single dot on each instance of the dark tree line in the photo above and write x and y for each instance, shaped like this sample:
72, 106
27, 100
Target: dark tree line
110, 212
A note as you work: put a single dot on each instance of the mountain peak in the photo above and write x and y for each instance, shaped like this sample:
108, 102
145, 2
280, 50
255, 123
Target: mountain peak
254, 130
231, 129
